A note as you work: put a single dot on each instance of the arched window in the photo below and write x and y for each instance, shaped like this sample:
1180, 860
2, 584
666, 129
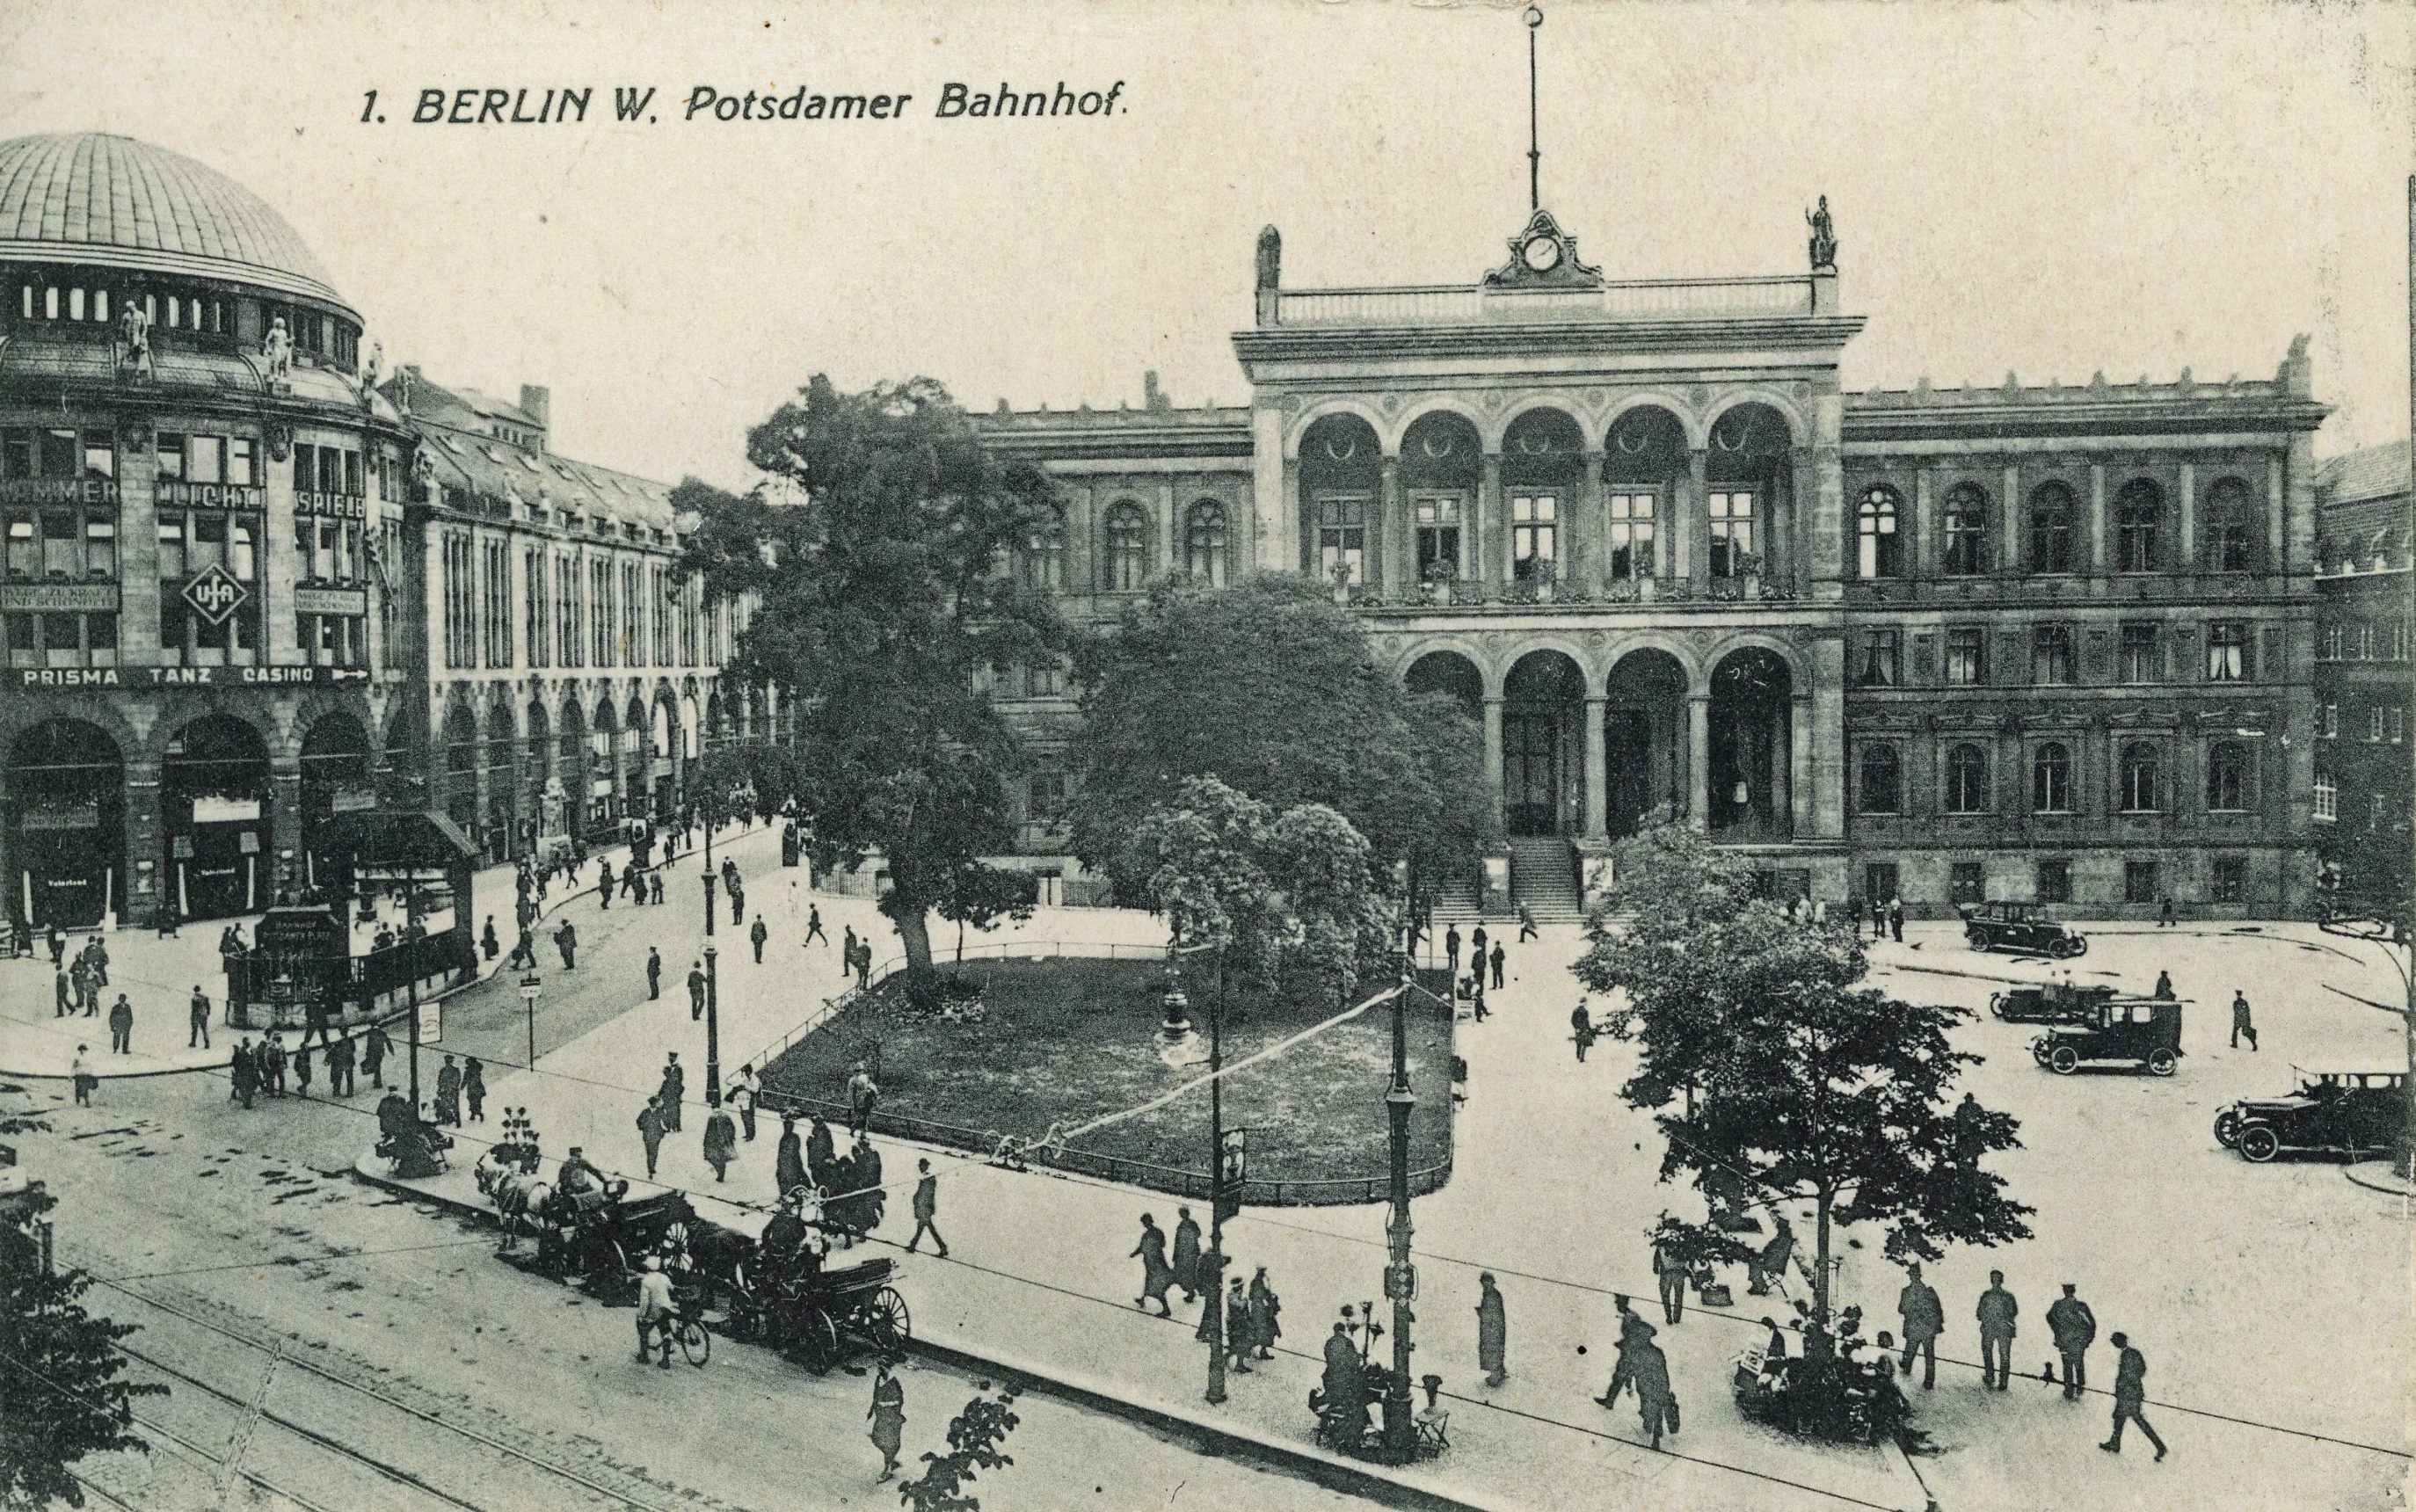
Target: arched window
2230, 539
2051, 512
2051, 779
1881, 548
1204, 543
1966, 781
2226, 776
2139, 516
1881, 789
2142, 777
1043, 559
1965, 521
1127, 553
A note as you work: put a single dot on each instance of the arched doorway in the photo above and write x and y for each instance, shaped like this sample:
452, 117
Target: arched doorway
1541, 778
1751, 787
462, 769
335, 779
1341, 468
543, 815
66, 786
665, 731
572, 767
638, 755
604, 768
214, 810
498, 838
1644, 739
1449, 673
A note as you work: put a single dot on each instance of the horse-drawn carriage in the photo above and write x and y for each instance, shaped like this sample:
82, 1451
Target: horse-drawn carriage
598, 1236
818, 1316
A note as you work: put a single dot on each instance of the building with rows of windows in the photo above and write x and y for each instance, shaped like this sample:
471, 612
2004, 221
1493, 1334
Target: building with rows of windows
2030, 643
250, 593
2363, 516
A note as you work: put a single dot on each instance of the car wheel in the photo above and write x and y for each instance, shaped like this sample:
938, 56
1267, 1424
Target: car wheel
2071, 945
2227, 1128
2161, 1062
2063, 1060
1996, 1005
2259, 1143
1975, 940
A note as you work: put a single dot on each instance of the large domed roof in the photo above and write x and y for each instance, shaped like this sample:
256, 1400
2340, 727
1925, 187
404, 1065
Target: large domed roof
111, 201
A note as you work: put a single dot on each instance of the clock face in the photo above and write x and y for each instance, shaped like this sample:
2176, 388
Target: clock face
1542, 253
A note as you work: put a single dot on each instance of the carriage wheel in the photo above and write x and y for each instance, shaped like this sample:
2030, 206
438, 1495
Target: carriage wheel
886, 1322
2161, 1062
696, 1342
816, 1344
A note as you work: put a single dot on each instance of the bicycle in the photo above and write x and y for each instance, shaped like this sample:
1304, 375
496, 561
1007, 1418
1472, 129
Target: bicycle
695, 1340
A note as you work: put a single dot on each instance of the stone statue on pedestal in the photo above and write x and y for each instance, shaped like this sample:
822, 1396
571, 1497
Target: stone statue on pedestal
134, 329
1824, 237
277, 351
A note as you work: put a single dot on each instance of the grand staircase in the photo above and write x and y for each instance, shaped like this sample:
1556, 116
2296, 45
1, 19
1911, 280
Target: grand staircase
1543, 876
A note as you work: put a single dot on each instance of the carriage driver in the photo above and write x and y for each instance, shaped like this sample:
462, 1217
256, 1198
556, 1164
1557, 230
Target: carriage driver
577, 1177
783, 1234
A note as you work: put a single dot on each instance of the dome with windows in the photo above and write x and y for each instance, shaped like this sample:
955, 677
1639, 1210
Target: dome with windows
111, 202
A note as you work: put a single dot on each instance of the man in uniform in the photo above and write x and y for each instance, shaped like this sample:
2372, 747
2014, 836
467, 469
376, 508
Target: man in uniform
1996, 1312
2240, 1024
2075, 1328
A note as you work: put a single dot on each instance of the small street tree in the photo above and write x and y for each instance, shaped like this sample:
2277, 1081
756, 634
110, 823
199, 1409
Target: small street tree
63, 1395
1270, 686
873, 555
974, 1439
981, 898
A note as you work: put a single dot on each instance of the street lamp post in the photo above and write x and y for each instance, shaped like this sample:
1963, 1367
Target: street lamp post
531, 988
1400, 1276
1214, 1320
712, 1026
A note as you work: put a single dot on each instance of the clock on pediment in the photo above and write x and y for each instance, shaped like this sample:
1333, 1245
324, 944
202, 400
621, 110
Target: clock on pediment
1543, 255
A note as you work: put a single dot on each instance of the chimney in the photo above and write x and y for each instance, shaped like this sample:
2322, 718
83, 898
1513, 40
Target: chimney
536, 400
1153, 396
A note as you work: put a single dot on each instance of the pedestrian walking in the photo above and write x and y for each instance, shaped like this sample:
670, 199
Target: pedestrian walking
653, 974
888, 1415
566, 940
926, 1209
199, 1014
242, 1071
1211, 1285
59, 947
1656, 1404
1451, 950
524, 950
1492, 1331
1526, 929
64, 988
720, 1143
487, 940
448, 1093
1156, 1274
737, 901
742, 1095
862, 1093
1187, 1254
340, 1067
272, 1065
1476, 938
1499, 955
864, 963
1924, 1319
1582, 1029
1237, 1327
847, 948
1267, 1309
2075, 1328
1670, 1271
757, 933
604, 884
2240, 1022
695, 990
374, 1045
1997, 1311
789, 1159
473, 1089
2130, 1395
302, 1068
80, 976
814, 926
655, 887
672, 1093
651, 1128
1476, 993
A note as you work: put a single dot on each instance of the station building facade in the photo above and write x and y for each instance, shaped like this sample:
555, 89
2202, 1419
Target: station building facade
2048, 642
2364, 515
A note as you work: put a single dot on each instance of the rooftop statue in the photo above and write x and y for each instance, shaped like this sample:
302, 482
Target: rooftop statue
1824, 237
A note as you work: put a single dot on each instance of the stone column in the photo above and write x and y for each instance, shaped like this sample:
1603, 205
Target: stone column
1393, 571
1492, 535
2276, 514
284, 823
1828, 724
1696, 519
1297, 547
1699, 760
1800, 478
2185, 529
1585, 553
1799, 762
1829, 524
138, 554
146, 840
2008, 544
1273, 538
2098, 553
1597, 769
1919, 560
1493, 750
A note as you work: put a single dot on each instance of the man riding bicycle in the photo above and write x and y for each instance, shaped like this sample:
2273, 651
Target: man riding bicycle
656, 1309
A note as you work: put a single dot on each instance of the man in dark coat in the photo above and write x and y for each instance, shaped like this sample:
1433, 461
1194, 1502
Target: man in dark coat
757, 933
2075, 1328
695, 990
448, 1093
653, 974
340, 1067
2240, 1024
1265, 1308
567, 941
1582, 1029
926, 1209
487, 940
121, 1026
2130, 1395
604, 884
1648, 1371
1211, 1281
1237, 1326
65, 993
1499, 955
1451, 949
272, 1065
1476, 946
244, 1068
1997, 1311
374, 1048
1633, 1332
473, 1089
1924, 1319
1669, 1273
1492, 1331
720, 1143
789, 1160
651, 1128
822, 1151
673, 1091
200, 1012
1345, 1383
1187, 1254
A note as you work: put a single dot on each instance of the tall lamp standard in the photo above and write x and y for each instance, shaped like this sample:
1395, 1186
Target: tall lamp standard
1400, 1276
531, 988
712, 1026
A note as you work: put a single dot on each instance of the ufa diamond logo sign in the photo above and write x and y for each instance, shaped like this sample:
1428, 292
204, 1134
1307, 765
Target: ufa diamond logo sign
215, 594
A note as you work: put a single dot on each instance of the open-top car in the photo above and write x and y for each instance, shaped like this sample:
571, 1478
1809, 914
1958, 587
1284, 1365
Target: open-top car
2020, 927
2137, 1032
2053, 1002
2331, 1113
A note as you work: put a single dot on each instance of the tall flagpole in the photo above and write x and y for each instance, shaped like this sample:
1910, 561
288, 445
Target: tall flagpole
1534, 149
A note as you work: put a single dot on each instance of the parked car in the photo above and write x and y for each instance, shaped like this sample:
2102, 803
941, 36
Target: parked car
2140, 1031
2019, 926
2051, 1004
2333, 1112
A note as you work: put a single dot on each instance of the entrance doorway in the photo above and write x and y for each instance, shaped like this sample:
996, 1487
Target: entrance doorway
214, 805
66, 804
1543, 703
1644, 739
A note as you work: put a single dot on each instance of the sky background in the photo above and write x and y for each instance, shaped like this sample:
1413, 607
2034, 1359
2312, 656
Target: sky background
2053, 190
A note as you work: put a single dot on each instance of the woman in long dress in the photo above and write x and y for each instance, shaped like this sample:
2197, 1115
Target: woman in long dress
1156, 1274
888, 1415
1264, 1306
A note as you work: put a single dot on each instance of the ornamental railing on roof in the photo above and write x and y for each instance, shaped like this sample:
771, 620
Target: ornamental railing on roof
1782, 295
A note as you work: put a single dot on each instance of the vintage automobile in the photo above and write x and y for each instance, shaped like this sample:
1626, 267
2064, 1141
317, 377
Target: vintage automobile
2019, 928
2332, 1113
2053, 1002
2140, 1031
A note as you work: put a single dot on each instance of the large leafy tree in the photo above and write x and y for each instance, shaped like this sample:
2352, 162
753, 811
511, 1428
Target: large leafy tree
1798, 1085
63, 1393
871, 551
1270, 686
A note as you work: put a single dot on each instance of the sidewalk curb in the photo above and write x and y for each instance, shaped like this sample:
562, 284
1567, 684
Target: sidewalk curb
2404, 1191
1335, 1474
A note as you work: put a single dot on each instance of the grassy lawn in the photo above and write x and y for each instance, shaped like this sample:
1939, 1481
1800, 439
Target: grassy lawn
1063, 1042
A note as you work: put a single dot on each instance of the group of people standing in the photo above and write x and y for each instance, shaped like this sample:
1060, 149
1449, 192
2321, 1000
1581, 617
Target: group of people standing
1886, 916
1251, 1313
265, 1068
2070, 1323
851, 1184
